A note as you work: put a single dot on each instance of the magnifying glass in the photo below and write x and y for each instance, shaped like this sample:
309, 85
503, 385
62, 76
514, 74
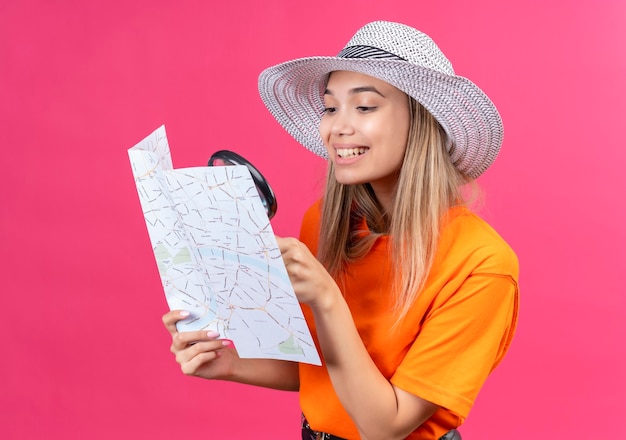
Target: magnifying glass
227, 157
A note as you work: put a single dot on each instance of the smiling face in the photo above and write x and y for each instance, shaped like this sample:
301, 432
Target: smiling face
365, 129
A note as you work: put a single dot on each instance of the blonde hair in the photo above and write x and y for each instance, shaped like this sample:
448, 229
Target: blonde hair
428, 186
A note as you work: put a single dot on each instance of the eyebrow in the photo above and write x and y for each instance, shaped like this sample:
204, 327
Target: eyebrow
358, 90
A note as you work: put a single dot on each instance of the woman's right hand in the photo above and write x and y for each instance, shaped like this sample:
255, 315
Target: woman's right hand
201, 353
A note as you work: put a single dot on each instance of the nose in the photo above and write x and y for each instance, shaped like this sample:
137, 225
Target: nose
342, 124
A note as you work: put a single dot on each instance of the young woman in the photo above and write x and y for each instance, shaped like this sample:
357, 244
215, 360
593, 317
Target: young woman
411, 298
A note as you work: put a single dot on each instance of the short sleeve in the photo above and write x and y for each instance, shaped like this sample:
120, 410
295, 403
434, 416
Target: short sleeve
461, 341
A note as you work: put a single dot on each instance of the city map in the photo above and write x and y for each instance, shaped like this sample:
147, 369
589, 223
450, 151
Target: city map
217, 255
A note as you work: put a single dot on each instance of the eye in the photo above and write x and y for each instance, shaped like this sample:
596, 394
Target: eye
329, 110
365, 109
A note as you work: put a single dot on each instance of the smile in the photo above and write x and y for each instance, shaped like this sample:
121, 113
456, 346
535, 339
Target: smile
346, 153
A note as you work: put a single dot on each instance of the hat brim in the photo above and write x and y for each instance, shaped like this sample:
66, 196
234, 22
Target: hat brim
293, 93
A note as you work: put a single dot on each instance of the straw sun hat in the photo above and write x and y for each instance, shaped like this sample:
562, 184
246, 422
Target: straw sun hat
405, 58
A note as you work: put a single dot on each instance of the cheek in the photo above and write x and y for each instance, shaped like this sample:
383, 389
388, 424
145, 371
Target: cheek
400, 135
400, 138
396, 148
394, 136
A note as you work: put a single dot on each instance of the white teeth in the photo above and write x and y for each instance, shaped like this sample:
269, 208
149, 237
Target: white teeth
345, 153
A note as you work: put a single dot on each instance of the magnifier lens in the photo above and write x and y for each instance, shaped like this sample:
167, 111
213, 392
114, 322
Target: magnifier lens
220, 163
268, 199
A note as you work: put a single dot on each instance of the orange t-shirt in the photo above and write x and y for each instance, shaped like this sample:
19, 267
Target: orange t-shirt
454, 335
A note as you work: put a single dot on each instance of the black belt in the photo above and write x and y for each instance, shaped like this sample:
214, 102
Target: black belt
309, 434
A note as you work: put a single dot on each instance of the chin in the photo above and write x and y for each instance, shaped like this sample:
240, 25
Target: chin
349, 180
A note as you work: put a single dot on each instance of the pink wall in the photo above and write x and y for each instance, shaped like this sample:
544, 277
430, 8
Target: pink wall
84, 352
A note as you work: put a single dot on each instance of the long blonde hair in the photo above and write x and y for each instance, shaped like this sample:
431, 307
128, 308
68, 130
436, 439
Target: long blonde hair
428, 186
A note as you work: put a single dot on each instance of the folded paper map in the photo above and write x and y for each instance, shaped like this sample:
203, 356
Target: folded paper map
217, 255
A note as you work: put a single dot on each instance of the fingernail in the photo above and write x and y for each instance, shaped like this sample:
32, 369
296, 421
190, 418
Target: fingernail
212, 334
184, 313
227, 342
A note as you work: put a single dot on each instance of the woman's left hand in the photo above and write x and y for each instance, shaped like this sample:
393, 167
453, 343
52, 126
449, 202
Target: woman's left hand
311, 281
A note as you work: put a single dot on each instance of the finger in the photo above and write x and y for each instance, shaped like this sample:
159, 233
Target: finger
182, 340
171, 318
193, 360
282, 244
286, 243
191, 351
193, 365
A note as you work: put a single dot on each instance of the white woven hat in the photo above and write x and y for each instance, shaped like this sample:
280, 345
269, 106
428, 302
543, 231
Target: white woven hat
405, 58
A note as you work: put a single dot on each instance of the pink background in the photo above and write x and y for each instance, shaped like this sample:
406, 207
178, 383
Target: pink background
84, 354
